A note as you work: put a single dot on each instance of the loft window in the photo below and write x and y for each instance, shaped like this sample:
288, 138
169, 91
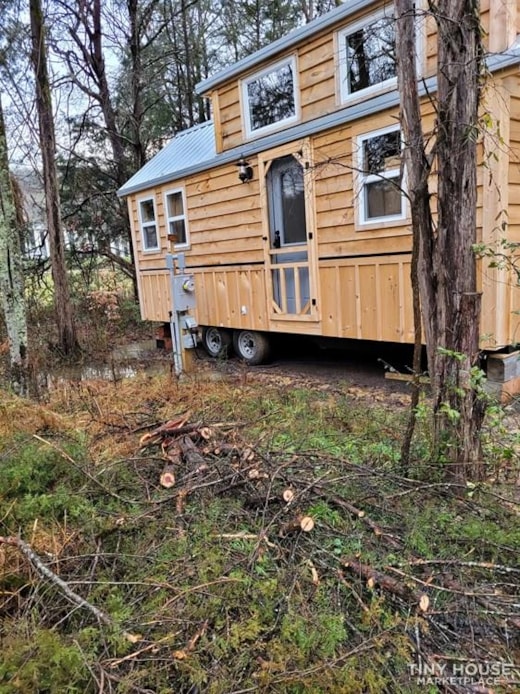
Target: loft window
381, 195
270, 98
367, 56
148, 223
176, 222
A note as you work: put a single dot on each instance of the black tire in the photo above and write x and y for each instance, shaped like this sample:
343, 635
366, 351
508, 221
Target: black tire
217, 342
251, 346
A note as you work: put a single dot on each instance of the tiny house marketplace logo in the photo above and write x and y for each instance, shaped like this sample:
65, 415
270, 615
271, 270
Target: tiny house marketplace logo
467, 673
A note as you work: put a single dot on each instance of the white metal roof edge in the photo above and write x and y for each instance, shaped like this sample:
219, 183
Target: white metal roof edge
494, 63
283, 43
499, 61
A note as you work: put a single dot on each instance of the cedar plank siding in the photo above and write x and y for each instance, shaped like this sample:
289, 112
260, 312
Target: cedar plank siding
367, 298
316, 64
224, 291
514, 191
497, 320
362, 272
224, 219
230, 116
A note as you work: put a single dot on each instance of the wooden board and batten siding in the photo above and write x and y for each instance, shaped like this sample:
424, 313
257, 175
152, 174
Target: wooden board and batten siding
356, 277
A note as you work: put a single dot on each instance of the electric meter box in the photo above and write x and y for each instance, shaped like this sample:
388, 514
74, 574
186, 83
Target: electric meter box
183, 292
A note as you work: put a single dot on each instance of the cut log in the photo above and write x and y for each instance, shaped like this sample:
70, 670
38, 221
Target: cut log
167, 479
288, 495
170, 427
303, 523
190, 452
255, 474
171, 451
205, 433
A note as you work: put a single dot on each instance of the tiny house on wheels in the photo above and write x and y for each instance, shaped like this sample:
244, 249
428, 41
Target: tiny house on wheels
284, 208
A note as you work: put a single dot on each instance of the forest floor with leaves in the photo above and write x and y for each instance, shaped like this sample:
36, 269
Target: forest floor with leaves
244, 530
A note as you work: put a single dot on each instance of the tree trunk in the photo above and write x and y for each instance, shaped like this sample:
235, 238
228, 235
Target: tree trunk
460, 51
67, 340
418, 169
446, 263
89, 18
11, 275
137, 90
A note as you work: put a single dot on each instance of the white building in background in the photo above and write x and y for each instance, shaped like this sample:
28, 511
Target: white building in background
35, 240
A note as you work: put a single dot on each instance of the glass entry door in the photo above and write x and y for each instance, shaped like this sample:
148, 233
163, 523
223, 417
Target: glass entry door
288, 256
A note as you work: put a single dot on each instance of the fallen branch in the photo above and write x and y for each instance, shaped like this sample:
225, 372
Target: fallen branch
488, 604
467, 564
44, 571
373, 577
261, 501
258, 537
377, 529
149, 647
175, 427
453, 586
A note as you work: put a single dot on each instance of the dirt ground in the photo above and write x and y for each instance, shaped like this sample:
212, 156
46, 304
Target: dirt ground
306, 363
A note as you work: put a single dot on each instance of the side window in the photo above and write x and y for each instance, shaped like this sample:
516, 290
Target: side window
381, 196
367, 56
176, 222
148, 223
269, 98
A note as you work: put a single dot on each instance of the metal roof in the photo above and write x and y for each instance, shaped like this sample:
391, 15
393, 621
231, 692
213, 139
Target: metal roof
296, 36
187, 150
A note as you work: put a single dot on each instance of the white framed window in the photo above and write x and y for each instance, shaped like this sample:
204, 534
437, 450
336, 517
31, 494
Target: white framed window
176, 219
270, 98
381, 197
147, 220
367, 56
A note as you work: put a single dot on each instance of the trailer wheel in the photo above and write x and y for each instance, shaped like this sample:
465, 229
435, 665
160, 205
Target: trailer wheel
251, 346
217, 342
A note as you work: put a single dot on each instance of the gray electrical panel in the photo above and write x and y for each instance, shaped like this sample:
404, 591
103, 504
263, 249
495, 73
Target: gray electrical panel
183, 292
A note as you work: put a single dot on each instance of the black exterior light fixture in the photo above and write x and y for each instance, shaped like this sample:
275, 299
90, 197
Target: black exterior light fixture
245, 172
